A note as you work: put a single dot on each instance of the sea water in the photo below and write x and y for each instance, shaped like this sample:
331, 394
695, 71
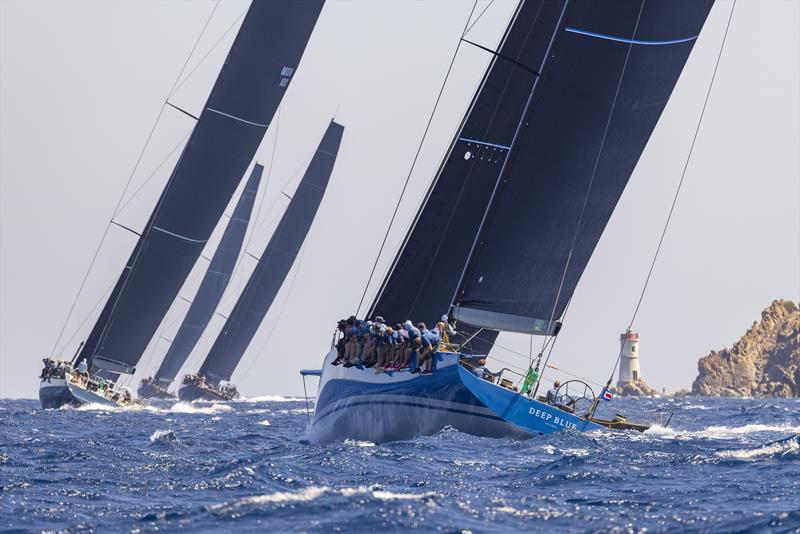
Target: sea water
718, 467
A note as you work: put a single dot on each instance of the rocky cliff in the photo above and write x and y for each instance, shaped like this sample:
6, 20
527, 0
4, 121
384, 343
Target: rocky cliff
637, 388
765, 362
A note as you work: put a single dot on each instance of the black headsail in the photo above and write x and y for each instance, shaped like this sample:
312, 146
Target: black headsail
501, 214
256, 73
610, 73
213, 285
275, 263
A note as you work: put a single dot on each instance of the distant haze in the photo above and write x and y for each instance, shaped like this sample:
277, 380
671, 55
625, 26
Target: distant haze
82, 82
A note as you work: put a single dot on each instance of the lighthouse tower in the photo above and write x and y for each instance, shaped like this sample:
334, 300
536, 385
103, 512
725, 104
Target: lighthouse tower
629, 360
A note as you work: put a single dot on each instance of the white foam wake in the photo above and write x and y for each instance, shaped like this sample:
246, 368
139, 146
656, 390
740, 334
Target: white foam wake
720, 432
270, 398
96, 407
314, 492
163, 435
188, 407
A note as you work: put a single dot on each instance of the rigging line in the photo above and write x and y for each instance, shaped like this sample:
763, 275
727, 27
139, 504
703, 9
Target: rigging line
128, 183
414, 161
123, 288
680, 183
505, 57
213, 47
269, 221
158, 337
246, 247
152, 174
478, 17
88, 315
280, 313
594, 169
459, 131
409, 229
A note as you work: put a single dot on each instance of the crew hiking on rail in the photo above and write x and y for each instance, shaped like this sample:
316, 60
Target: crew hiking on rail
374, 344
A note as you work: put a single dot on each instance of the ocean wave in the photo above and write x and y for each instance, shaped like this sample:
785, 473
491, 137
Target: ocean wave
188, 407
784, 448
696, 407
270, 398
359, 443
163, 435
96, 407
314, 492
264, 423
719, 432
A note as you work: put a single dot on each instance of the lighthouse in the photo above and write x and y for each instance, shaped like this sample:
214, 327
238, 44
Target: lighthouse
629, 358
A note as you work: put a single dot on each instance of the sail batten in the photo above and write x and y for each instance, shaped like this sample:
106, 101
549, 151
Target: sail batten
242, 102
274, 264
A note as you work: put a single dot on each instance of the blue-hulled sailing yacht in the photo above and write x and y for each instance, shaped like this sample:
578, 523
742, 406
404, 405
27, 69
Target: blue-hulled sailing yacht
256, 74
552, 135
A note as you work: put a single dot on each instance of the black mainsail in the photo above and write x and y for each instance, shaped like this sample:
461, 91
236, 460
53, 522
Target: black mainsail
553, 133
214, 283
245, 96
274, 264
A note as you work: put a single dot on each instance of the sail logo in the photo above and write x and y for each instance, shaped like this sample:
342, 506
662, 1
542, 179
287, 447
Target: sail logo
550, 418
286, 73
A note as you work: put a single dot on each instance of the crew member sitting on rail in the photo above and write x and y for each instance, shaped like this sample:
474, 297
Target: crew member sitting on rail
448, 328
427, 349
481, 371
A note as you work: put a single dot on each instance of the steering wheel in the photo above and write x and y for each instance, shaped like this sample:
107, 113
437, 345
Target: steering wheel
576, 394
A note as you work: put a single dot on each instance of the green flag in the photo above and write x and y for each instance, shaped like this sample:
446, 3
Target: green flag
530, 378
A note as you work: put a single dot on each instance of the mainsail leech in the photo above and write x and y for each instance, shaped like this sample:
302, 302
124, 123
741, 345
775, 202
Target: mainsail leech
256, 73
275, 263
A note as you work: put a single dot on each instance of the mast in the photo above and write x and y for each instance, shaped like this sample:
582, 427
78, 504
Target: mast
245, 96
214, 283
275, 262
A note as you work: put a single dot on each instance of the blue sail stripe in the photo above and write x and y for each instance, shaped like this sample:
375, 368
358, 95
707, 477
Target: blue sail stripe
483, 143
629, 41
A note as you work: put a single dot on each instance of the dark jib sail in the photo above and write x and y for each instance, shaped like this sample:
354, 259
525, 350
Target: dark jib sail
256, 73
533, 128
274, 264
213, 285
611, 70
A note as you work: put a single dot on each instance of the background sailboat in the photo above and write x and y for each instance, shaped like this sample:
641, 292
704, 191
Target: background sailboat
273, 266
208, 295
245, 96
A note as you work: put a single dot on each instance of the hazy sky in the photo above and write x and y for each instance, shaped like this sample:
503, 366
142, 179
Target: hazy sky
82, 83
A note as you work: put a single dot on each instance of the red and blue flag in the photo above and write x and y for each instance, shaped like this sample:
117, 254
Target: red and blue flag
606, 394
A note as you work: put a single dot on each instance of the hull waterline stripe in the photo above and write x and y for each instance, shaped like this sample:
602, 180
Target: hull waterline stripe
629, 41
401, 403
237, 118
483, 143
179, 236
